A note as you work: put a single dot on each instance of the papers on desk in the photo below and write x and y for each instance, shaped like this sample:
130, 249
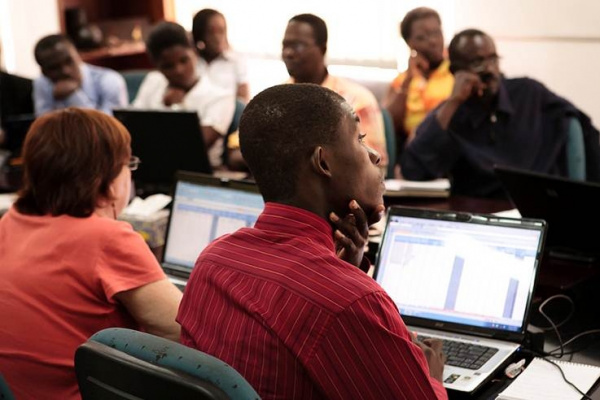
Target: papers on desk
6, 201
404, 188
543, 381
146, 207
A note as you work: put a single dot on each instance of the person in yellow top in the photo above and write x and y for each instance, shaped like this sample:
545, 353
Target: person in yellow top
427, 81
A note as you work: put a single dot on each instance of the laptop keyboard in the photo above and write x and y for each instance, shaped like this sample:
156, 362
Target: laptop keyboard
465, 355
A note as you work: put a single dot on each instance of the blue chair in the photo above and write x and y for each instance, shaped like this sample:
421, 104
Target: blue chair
5, 392
235, 123
576, 166
133, 80
119, 363
390, 141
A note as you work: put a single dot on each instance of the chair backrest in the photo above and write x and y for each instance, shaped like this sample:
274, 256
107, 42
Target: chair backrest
133, 80
5, 392
119, 363
390, 141
575, 151
235, 123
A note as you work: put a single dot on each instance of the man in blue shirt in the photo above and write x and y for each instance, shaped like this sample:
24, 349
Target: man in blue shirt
69, 82
489, 120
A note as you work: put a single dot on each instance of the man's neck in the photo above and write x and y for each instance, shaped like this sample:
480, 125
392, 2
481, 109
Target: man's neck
316, 78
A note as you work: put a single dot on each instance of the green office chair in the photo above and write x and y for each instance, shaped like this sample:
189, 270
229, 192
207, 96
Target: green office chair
576, 167
5, 392
235, 123
118, 363
390, 141
133, 80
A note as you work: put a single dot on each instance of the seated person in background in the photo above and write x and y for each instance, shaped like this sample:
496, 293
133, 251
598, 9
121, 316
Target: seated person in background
176, 85
303, 52
69, 82
68, 268
276, 301
216, 60
15, 97
427, 81
489, 120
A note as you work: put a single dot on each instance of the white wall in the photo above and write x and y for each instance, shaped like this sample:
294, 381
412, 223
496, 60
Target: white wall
22, 23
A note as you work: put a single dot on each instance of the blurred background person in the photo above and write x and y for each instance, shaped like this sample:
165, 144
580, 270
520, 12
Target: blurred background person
427, 81
178, 85
216, 60
67, 81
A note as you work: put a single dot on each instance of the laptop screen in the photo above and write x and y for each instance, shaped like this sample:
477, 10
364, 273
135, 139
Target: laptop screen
470, 273
201, 213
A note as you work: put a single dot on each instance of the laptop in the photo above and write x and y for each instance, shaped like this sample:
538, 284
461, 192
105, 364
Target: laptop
467, 279
204, 208
563, 203
16, 128
165, 141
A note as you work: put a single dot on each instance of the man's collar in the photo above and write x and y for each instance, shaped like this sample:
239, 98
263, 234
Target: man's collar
292, 220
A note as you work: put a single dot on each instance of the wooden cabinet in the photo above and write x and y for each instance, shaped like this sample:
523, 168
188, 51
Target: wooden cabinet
123, 25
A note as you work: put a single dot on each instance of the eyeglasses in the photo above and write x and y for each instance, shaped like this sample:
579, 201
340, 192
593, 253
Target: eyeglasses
134, 163
479, 64
296, 46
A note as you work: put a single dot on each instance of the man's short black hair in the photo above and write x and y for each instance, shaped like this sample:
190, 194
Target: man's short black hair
200, 23
414, 15
48, 43
165, 35
319, 28
280, 129
454, 54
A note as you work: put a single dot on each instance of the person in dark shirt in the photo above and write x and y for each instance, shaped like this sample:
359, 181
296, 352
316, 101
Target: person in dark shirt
489, 119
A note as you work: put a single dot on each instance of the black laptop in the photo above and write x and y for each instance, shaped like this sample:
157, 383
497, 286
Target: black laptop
204, 208
16, 128
165, 141
467, 279
565, 205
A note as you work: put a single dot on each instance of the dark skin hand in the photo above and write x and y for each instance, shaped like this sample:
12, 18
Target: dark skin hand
352, 233
466, 84
432, 348
173, 95
396, 99
64, 88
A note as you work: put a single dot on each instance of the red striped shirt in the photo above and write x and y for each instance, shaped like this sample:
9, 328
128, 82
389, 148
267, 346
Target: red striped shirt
276, 303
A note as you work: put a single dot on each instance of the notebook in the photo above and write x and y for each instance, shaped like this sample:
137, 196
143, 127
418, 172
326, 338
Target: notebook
204, 208
165, 141
563, 203
543, 381
465, 278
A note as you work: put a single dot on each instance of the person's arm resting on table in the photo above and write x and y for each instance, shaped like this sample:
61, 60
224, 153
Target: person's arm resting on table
368, 353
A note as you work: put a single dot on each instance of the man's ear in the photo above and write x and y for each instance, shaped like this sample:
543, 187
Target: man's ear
319, 161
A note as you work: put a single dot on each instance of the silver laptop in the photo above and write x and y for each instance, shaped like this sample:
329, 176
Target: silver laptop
465, 278
204, 208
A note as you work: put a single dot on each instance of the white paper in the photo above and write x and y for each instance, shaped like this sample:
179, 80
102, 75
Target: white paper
7, 200
514, 213
542, 381
148, 206
401, 184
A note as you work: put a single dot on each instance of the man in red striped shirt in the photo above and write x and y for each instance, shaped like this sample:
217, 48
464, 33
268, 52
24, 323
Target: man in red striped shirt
284, 302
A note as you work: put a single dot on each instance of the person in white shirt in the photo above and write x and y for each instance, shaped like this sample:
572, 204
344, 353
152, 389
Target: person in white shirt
177, 85
216, 60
